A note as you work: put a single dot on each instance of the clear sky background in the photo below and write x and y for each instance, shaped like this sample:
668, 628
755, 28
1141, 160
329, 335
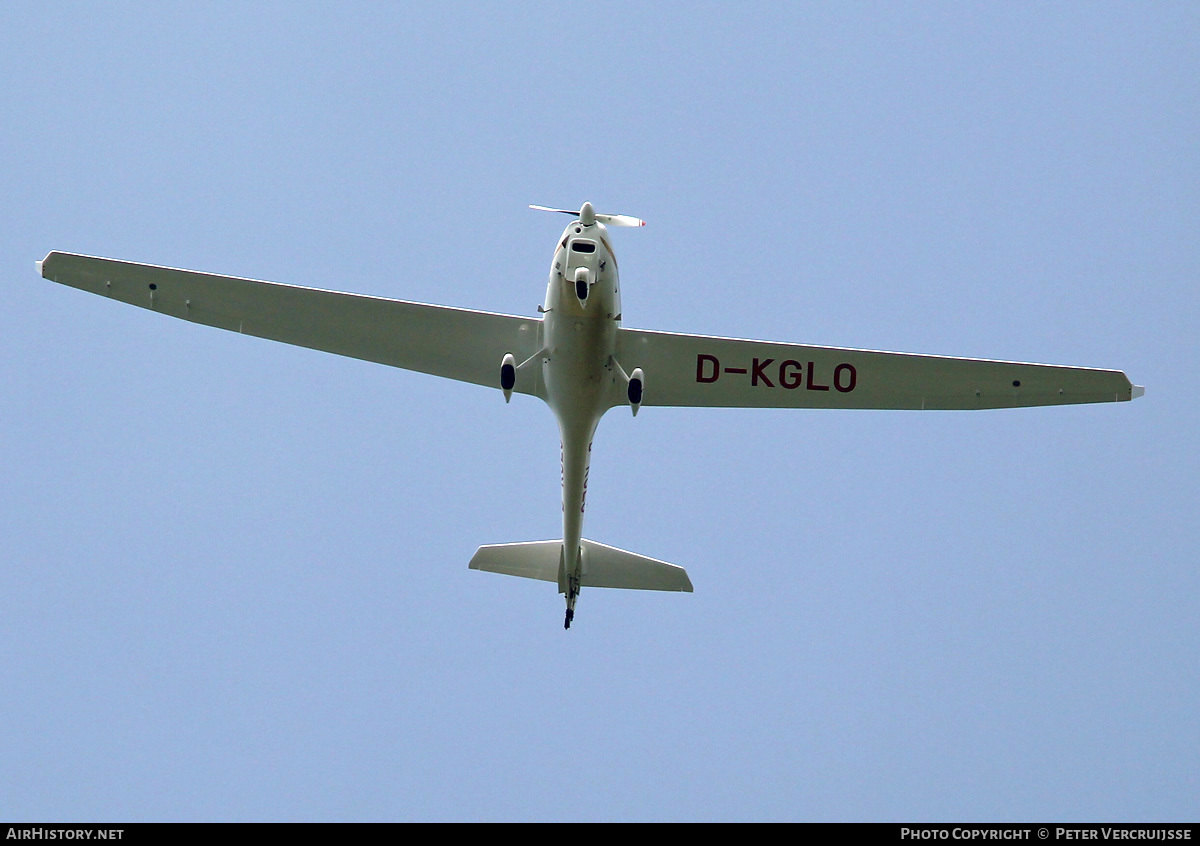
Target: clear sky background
233, 574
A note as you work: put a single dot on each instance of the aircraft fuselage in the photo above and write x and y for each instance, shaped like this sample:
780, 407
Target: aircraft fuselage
578, 366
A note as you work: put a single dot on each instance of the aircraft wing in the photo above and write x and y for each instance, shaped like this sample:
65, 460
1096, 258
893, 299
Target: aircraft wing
697, 370
452, 342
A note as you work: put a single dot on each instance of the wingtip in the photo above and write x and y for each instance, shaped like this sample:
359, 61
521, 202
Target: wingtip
1138, 391
41, 263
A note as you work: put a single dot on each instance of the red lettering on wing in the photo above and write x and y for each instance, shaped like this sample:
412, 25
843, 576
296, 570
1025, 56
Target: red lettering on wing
851, 377
756, 372
813, 386
791, 374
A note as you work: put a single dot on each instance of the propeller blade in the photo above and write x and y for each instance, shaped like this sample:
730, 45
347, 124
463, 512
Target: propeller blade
560, 211
620, 220
586, 212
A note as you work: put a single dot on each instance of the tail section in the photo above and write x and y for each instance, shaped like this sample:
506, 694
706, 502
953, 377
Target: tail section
601, 566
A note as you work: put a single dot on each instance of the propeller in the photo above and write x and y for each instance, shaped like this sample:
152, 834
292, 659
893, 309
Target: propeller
587, 216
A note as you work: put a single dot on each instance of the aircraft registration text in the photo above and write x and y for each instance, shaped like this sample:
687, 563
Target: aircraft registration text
790, 374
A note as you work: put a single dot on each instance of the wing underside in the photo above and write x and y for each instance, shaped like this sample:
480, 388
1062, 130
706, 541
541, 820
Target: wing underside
681, 370
697, 370
452, 342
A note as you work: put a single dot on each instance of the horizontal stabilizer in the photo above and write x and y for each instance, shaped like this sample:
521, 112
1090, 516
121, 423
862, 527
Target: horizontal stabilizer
603, 566
531, 560
607, 566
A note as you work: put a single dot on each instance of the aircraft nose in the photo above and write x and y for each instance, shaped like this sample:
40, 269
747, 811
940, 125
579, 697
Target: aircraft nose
587, 214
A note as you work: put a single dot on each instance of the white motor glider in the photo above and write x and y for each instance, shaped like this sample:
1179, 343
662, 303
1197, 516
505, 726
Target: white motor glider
580, 360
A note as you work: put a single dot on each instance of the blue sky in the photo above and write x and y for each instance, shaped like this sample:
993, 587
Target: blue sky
234, 577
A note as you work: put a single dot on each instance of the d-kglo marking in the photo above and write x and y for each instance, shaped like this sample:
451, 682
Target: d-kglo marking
788, 374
